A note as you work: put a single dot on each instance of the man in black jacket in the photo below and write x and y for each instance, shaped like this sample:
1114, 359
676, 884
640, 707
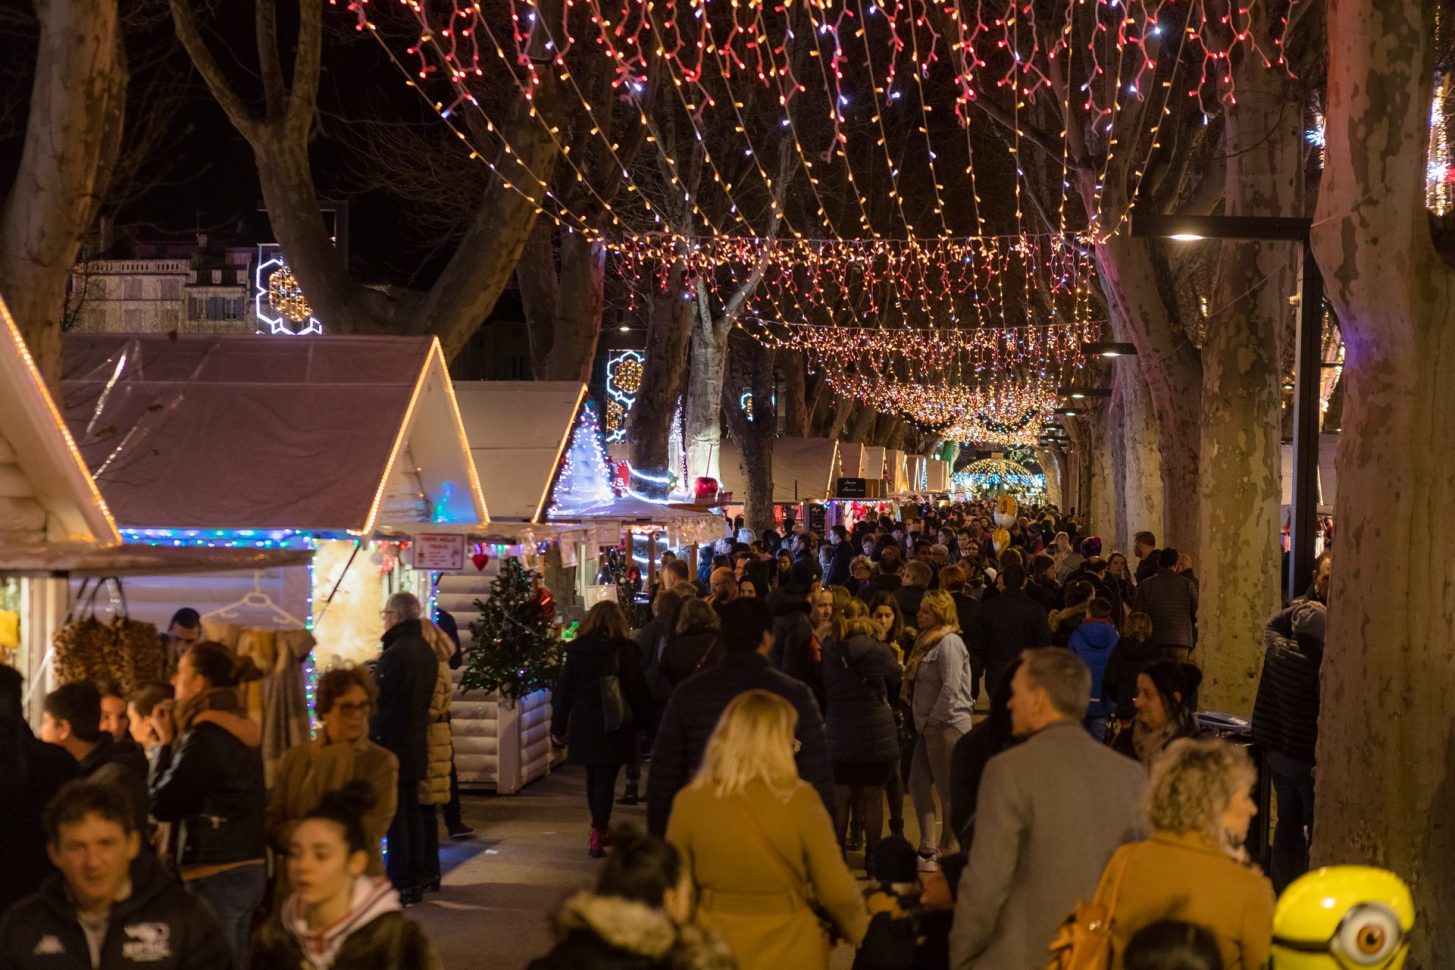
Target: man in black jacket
71, 720
31, 772
406, 673
1008, 624
699, 701
1286, 725
1144, 546
111, 905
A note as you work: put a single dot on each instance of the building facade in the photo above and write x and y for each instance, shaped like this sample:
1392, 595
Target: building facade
164, 288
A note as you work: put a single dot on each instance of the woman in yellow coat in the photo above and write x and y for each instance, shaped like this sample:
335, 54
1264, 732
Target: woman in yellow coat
760, 846
1193, 868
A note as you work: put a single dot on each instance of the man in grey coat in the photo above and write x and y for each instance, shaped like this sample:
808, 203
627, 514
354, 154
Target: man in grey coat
1051, 812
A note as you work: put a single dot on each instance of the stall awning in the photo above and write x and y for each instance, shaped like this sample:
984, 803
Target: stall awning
517, 431
318, 434
77, 560
46, 493
804, 470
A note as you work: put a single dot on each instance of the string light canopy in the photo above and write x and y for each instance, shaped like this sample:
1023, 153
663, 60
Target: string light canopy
996, 476
823, 76
797, 146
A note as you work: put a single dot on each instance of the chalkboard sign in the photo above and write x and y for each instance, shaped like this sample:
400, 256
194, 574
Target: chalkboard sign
852, 488
816, 518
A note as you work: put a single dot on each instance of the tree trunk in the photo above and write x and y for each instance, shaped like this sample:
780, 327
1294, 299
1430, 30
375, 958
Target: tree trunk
1241, 398
465, 292
577, 323
1051, 468
795, 393
705, 407
537, 280
839, 420
663, 375
1174, 379
755, 437
1142, 498
1386, 776
1102, 481
863, 424
72, 135
1116, 442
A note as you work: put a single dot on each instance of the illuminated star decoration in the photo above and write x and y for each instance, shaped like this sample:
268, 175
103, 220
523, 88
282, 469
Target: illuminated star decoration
623, 383
279, 301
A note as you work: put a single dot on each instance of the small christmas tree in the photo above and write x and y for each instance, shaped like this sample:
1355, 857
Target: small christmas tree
584, 479
514, 652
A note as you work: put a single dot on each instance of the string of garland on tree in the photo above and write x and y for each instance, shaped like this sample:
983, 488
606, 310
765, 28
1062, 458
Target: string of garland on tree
515, 651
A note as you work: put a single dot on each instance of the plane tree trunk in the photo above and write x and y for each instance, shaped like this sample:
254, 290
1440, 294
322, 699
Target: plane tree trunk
1386, 753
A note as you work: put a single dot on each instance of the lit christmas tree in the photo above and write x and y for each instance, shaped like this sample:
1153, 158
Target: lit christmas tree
584, 479
514, 651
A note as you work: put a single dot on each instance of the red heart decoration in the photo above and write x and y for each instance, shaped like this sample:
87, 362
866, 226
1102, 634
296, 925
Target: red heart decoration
480, 560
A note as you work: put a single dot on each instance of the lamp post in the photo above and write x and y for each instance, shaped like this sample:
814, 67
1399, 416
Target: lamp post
1307, 364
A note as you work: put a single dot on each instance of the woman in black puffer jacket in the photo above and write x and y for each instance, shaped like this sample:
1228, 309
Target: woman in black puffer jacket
860, 676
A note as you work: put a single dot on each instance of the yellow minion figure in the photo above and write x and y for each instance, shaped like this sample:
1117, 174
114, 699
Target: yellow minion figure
1343, 918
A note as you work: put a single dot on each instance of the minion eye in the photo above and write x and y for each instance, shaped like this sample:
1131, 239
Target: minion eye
1368, 935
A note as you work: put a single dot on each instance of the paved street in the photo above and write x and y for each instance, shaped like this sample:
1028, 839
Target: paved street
501, 887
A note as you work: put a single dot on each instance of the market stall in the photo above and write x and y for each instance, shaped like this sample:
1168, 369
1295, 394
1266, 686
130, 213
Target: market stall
49, 506
308, 444
56, 527
544, 459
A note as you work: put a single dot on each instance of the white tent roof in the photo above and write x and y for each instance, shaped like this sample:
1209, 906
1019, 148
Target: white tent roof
804, 469
851, 459
873, 459
898, 471
937, 476
518, 431
46, 494
318, 434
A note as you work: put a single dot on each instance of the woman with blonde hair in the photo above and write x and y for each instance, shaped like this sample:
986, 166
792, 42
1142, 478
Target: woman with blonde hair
937, 686
1199, 802
759, 845
601, 663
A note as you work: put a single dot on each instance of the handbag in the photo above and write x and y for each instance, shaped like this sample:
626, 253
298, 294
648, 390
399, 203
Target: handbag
1084, 941
616, 712
801, 888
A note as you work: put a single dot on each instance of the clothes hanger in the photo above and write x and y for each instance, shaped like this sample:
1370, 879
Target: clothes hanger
257, 601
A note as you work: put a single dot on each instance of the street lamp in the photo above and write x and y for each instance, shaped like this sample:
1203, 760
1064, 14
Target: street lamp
1307, 363
1108, 348
1080, 393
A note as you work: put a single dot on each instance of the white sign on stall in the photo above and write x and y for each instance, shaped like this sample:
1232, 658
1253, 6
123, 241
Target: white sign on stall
439, 553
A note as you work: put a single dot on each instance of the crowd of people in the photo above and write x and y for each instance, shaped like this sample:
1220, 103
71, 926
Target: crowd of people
1036, 698
141, 831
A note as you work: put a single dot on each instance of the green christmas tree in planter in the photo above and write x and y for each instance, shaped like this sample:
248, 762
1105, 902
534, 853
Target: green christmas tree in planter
514, 651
